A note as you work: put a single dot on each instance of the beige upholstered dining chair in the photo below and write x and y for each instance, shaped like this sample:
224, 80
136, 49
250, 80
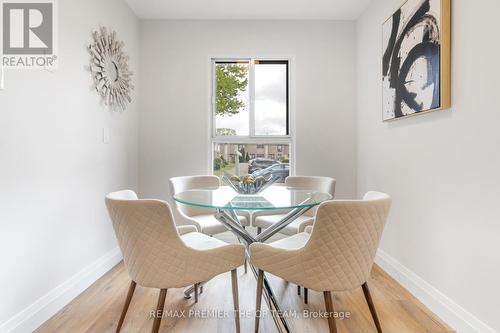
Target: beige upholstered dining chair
337, 255
203, 218
265, 219
159, 255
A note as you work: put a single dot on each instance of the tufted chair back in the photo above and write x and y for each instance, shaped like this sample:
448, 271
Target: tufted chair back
344, 240
321, 184
148, 239
181, 184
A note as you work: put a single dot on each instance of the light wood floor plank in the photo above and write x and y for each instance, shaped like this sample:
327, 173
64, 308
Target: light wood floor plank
98, 308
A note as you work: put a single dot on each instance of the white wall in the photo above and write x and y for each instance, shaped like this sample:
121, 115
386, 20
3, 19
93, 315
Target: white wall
54, 168
175, 94
442, 169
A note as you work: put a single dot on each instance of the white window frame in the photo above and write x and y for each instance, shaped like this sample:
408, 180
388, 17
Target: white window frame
252, 138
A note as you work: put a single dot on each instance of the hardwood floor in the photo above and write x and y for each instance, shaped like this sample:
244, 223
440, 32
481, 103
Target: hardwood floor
98, 308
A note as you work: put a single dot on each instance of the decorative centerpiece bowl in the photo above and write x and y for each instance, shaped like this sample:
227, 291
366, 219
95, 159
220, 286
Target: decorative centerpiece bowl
248, 184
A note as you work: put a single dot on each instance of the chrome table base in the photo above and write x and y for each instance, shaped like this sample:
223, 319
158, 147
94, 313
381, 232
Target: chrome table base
230, 220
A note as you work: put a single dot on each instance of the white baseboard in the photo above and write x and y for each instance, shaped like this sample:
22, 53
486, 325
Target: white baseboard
450, 312
46, 306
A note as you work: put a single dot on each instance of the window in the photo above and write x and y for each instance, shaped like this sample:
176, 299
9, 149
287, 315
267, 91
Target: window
250, 115
251, 98
271, 98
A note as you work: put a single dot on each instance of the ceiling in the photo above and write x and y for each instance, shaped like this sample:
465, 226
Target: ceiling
249, 10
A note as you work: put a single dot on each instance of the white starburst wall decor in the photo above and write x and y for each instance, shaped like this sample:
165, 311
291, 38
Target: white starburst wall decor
109, 68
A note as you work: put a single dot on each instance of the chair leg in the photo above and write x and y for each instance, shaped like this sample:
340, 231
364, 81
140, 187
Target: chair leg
130, 293
239, 241
260, 283
369, 300
196, 292
159, 310
329, 309
298, 290
236, 302
259, 230
305, 295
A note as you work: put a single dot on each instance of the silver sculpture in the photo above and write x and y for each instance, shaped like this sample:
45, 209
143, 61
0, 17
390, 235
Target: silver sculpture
109, 68
248, 184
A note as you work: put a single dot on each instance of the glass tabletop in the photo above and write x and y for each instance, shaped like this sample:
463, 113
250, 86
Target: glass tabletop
272, 198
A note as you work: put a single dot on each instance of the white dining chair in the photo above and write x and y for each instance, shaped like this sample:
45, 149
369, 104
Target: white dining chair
265, 219
158, 255
203, 218
336, 256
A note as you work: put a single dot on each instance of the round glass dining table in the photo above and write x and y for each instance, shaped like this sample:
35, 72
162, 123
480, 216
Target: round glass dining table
226, 201
272, 198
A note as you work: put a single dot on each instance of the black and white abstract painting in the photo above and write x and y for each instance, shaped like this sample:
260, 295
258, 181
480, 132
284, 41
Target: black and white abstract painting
411, 60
